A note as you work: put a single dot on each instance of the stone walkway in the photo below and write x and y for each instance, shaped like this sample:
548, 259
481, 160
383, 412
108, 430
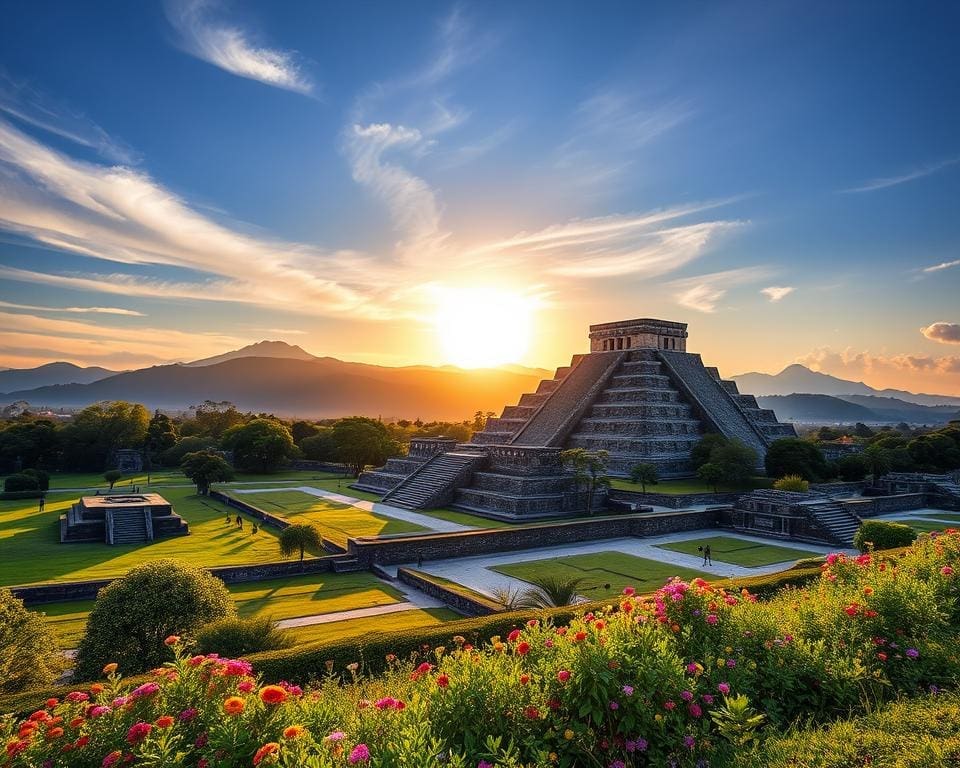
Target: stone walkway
475, 572
379, 508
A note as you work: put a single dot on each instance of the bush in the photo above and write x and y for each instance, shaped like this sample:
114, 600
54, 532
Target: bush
133, 615
43, 478
21, 482
234, 636
700, 453
883, 535
11, 495
852, 467
29, 657
792, 456
792, 483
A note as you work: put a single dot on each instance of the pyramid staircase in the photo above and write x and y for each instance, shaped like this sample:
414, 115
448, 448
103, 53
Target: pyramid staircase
129, 526
839, 523
433, 483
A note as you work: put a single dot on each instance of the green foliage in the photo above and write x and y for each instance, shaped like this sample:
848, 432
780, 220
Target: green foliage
97, 431
28, 443
112, 476
792, 483
21, 482
320, 446
737, 721
792, 456
551, 592
878, 461
737, 461
589, 469
43, 478
700, 454
212, 419
261, 445
204, 468
28, 656
644, 474
936, 452
234, 636
133, 615
852, 467
361, 442
299, 537
880, 534
711, 473
172, 457
161, 435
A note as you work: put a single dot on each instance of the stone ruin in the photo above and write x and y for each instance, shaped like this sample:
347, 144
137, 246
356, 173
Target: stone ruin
638, 394
121, 518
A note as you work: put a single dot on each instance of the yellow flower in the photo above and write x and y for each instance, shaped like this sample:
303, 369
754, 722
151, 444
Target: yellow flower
568, 734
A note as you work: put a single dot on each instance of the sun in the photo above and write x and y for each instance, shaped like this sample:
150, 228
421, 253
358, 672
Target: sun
483, 327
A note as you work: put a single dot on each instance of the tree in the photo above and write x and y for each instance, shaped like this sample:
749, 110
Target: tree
212, 419
29, 654
161, 437
361, 441
878, 461
935, 451
172, 457
644, 474
852, 467
299, 537
321, 446
134, 614
550, 592
204, 468
589, 469
300, 430
21, 482
28, 443
96, 432
112, 476
700, 454
261, 445
738, 462
862, 430
792, 456
711, 473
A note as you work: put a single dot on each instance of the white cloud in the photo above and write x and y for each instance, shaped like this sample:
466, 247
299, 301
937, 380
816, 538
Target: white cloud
777, 292
942, 265
850, 362
74, 310
231, 49
946, 333
704, 292
892, 181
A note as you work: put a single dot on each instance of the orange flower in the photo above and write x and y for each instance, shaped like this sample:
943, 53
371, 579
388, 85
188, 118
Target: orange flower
172, 640
272, 694
51, 703
292, 731
54, 733
96, 688
234, 705
267, 749
76, 722
110, 668
164, 721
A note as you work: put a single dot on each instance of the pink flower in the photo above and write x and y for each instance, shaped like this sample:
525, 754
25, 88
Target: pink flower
112, 759
724, 688
245, 686
695, 709
77, 696
712, 618
946, 570
686, 696
359, 754
138, 732
336, 736
627, 690
147, 689
563, 675
99, 711
187, 715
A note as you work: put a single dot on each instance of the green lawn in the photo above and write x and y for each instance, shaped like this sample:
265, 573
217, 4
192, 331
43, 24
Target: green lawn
925, 526
287, 598
599, 569
953, 517
32, 552
335, 520
465, 518
176, 477
389, 623
726, 549
691, 485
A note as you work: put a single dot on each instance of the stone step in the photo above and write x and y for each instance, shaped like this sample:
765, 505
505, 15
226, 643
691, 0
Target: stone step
349, 565
638, 427
631, 410
641, 448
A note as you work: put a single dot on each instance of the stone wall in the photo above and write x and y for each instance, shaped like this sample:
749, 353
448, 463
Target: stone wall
38, 594
440, 546
265, 517
838, 489
882, 505
673, 501
459, 601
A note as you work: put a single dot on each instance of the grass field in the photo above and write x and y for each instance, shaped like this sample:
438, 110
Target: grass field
288, 598
953, 517
32, 552
465, 518
599, 569
60, 480
726, 549
691, 485
335, 520
388, 623
925, 526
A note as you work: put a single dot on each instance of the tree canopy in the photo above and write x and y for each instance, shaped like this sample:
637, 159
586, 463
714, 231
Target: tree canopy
261, 445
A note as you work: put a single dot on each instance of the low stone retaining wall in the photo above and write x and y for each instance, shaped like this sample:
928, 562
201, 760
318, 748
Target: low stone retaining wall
440, 546
882, 505
38, 594
836, 489
265, 517
458, 601
673, 501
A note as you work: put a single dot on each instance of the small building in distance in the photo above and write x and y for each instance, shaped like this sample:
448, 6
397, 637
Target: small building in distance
127, 518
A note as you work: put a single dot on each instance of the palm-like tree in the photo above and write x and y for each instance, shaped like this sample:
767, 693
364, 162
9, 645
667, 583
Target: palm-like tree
550, 592
298, 538
508, 597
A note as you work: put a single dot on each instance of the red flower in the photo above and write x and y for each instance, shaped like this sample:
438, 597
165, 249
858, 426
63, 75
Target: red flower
580, 637
164, 721
882, 656
172, 640
563, 675
513, 636
272, 694
523, 648
524, 679
531, 713
138, 732
443, 681
267, 749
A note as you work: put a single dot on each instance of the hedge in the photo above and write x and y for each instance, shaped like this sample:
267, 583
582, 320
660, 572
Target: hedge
11, 495
305, 663
880, 534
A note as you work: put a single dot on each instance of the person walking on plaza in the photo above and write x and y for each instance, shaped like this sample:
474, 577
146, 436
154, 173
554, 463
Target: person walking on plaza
43, 501
706, 555
239, 522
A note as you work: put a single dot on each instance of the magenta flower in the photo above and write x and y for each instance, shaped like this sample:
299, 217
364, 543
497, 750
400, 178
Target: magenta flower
912, 653
724, 688
359, 754
138, 732
627, 690
686, 696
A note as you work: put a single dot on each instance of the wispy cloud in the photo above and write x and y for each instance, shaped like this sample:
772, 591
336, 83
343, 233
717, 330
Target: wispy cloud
946, 333
118, 214
942, 265
74, 310
776, 292
704, 292
851, 362
611, 246
232, 49
891, 181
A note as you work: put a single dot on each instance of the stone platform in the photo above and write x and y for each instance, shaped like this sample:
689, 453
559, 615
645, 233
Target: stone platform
121, 518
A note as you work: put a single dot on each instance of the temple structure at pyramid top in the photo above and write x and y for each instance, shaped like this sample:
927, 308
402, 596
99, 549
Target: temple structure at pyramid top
638, 395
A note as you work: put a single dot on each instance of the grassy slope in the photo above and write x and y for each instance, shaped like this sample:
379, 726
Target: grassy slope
278, 598
691, 485
598, 569
727, 549
33, 552
336, 521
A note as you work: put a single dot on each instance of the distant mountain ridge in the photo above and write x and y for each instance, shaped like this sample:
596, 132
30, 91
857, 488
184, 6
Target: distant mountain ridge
798, 379
12, 379
827, 409
260, 349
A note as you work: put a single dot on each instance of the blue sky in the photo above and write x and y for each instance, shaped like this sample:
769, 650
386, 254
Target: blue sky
181, 178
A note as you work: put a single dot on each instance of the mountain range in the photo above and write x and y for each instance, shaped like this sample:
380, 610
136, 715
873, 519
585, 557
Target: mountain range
277, 377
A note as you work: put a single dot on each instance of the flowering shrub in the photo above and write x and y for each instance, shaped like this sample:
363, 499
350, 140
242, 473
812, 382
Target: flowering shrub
689, 676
